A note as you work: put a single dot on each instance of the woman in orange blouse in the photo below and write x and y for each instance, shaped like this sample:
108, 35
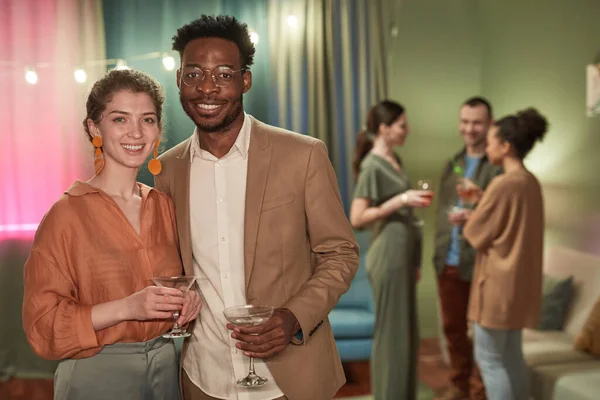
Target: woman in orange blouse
507, 230
89, 299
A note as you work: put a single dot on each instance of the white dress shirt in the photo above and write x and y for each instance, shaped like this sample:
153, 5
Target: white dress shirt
217, 203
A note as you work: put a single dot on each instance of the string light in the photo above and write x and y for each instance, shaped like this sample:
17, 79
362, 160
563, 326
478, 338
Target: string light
121, 64
80, 75
292, 21
254, 37
31, 76
168, 62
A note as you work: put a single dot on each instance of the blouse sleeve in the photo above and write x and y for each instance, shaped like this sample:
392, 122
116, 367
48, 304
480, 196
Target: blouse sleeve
366, 185
55, 324
489, 218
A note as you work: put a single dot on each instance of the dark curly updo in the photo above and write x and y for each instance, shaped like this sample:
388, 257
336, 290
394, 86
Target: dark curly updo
522, 130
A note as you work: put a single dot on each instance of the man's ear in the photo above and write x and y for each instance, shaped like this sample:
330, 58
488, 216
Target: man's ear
179, 78
247, 78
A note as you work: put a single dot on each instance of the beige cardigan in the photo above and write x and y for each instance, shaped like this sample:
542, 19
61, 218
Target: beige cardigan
507, 230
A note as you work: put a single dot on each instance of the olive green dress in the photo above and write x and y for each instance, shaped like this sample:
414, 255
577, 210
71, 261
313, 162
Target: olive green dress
391, 262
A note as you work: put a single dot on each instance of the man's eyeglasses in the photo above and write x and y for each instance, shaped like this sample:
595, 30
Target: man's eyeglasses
222, 76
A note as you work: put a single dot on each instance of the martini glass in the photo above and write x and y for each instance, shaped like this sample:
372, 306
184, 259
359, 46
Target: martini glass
183, 283
249, 315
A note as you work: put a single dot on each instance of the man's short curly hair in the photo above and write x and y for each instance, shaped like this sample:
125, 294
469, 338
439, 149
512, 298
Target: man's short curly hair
222, 26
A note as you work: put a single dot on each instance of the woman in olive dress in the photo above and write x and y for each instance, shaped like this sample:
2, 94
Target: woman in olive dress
383, 202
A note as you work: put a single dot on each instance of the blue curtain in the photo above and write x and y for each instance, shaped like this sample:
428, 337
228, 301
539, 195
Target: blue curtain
328, 66
139, 27
317, 78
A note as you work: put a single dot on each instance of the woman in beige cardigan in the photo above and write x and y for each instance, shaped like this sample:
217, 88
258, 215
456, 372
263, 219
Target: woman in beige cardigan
506, 228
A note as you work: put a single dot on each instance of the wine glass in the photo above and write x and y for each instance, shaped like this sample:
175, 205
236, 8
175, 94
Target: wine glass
467, 191
249, 315
426, 186
183, 283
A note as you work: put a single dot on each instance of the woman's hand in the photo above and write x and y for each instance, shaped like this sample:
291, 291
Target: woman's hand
153, 302
413, 198
468, 191
191, 307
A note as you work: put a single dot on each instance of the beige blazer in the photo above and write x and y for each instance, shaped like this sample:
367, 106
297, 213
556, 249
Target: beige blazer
299, 249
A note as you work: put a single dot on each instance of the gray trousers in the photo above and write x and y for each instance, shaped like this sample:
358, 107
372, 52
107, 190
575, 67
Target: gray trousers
136, 371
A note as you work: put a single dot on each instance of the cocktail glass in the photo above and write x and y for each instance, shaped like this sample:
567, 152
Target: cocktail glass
249, 315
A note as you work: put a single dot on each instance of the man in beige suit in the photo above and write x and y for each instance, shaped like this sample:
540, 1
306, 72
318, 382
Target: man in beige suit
260, 221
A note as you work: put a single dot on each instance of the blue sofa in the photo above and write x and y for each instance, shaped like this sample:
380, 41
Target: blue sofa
353, 318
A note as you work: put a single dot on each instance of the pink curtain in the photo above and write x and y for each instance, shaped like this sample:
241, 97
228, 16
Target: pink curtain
42, 144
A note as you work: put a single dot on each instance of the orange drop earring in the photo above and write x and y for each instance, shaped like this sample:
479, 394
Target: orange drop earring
98, 157
154, 165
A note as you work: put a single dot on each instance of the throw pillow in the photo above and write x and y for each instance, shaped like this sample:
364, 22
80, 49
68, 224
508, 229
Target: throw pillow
556, 295
588, 339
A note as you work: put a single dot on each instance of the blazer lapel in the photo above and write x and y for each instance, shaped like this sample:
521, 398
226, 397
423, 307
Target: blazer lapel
181, 194
259, 159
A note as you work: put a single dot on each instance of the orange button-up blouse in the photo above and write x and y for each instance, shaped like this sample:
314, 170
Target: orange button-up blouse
86, 252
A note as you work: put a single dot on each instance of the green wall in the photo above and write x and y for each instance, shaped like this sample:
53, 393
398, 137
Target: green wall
517, 54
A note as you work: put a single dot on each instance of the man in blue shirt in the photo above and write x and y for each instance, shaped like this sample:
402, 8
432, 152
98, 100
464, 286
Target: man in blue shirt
454, 257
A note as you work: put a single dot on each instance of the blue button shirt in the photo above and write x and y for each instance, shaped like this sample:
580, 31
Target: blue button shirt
453, 256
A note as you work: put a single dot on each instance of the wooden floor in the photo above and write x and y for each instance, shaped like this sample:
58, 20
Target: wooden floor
432, 372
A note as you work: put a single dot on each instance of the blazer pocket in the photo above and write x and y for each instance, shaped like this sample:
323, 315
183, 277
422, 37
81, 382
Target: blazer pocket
278, 202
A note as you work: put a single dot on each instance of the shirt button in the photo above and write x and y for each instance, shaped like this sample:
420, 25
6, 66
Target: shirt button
225, 276
222, 239
221, 200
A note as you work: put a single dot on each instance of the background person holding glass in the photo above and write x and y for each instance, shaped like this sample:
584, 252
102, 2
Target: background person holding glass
507, 230
261, 222
384, 202
454, 257
88, 297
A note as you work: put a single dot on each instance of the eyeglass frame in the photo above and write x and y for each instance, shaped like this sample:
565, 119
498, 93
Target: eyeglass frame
211, 75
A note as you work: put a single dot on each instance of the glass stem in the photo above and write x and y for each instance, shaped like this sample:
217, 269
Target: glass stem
251, 366
176, 317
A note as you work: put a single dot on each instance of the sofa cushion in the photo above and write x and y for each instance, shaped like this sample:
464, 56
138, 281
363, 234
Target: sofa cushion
354, 349
359, 295
556, 295
351, 323
544, 378
583, 385
585, 269
550, 347
589, 338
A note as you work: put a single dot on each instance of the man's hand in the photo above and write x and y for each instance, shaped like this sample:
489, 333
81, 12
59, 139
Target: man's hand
266, 340
459, 216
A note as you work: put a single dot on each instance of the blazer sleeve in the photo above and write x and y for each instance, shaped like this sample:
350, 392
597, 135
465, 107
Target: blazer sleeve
332, 242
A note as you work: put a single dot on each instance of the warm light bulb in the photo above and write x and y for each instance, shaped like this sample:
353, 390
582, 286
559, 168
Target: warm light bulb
31, 76
254, 38
169, 63
80, 75
121, 64
292, 21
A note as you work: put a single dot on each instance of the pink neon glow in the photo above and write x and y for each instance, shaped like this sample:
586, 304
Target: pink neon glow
18, 228
42, 145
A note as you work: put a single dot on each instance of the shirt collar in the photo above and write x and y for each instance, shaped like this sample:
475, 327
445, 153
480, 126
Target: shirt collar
242, 142
80, 188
